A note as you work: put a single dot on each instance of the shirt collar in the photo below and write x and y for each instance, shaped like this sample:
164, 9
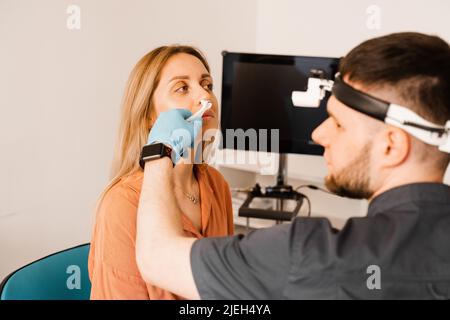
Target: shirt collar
406, 194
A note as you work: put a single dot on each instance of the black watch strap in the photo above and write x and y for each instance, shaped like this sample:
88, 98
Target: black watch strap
154, 151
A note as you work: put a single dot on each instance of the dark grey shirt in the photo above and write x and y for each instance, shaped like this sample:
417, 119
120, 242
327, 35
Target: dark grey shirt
401, 250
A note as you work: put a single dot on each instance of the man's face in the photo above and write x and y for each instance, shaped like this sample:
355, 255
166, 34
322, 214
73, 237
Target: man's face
348, 147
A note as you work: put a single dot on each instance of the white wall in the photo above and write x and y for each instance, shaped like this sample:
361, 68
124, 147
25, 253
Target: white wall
331, 28
60, 90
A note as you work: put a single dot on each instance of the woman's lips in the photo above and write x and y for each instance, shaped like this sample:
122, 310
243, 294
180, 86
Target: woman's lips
208, 114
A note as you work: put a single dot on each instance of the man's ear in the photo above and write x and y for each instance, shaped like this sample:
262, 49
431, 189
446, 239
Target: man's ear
394, 147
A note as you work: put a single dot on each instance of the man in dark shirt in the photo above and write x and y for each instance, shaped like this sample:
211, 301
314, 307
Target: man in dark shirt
400, 250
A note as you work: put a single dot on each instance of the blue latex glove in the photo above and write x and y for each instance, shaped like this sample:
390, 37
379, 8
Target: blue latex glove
172, 129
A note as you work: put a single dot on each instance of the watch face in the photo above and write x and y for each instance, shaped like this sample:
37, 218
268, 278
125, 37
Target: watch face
154, 151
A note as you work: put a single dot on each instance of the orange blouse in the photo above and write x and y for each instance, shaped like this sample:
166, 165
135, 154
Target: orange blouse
112, 262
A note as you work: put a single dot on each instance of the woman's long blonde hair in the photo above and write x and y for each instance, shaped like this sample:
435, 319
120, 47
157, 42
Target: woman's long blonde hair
137, 110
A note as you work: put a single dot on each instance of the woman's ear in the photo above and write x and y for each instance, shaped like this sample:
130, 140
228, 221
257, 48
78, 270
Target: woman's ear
152, 116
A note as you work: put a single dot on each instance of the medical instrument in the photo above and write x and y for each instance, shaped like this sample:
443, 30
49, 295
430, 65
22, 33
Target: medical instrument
280, 193
206, 104
256, 94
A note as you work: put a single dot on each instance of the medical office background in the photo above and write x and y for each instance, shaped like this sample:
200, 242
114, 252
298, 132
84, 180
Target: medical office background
61, 88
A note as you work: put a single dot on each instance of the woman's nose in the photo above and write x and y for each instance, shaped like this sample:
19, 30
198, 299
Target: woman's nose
199, 104
200, 95
205, 95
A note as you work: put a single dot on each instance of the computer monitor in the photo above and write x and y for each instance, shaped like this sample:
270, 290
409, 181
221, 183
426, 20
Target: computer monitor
256, 94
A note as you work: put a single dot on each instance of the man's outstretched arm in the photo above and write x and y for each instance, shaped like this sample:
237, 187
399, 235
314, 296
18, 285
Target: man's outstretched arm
162, 250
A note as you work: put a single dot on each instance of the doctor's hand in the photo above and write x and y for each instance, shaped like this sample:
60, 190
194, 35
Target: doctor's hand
172, 129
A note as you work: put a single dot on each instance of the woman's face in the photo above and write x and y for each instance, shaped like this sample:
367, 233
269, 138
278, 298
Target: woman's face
184, 82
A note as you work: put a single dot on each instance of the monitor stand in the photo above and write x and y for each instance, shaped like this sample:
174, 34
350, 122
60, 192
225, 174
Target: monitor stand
281, 191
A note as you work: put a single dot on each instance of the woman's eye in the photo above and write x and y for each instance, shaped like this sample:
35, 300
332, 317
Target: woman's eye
182, 89
207, 85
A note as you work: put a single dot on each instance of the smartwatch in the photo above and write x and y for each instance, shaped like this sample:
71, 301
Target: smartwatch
153, 152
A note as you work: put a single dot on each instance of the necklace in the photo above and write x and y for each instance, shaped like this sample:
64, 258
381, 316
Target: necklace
191, 197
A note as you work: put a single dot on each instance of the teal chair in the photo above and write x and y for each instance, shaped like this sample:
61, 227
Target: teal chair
59, 276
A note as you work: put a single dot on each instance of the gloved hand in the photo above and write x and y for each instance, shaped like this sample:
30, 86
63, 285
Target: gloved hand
172, 129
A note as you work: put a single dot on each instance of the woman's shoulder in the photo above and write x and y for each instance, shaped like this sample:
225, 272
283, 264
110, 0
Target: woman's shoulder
113, 239
123, 195
132, 182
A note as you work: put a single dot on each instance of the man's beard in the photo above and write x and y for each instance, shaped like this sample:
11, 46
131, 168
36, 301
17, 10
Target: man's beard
353, 181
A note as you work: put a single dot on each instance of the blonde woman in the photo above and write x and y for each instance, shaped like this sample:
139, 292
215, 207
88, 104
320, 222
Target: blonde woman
165, 78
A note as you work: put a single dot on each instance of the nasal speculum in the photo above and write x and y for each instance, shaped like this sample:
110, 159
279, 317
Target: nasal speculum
206, 104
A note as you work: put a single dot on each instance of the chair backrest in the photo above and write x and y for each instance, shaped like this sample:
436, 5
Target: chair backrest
59, 276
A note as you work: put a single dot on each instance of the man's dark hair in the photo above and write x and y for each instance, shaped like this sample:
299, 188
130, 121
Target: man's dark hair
415, 65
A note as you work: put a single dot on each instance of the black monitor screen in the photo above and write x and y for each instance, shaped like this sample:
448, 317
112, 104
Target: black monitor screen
256, 94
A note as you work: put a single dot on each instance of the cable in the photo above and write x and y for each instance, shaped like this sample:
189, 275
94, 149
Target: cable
311, 186
309, 206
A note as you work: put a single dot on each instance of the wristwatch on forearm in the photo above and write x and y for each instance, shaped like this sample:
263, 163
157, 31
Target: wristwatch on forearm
154, 151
